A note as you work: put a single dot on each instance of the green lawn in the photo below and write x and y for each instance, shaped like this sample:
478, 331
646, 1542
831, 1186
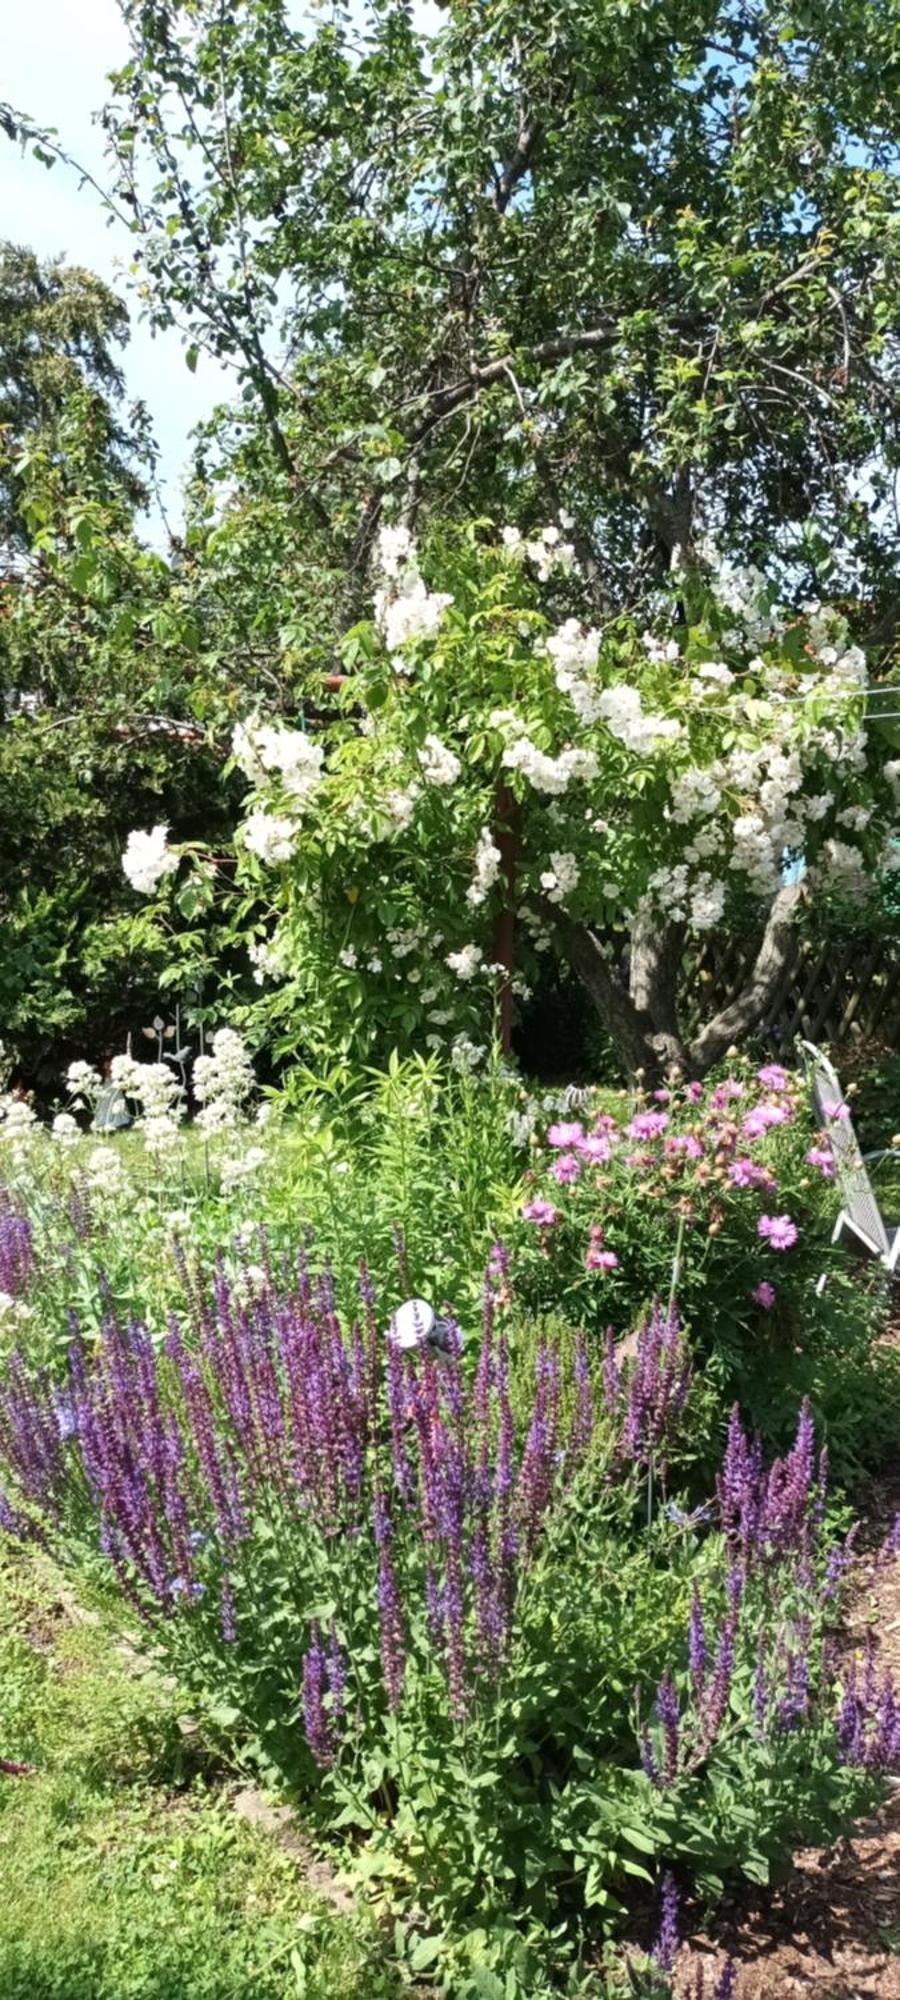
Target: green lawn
126, 1873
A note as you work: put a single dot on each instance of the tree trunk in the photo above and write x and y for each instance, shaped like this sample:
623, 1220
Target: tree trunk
642, 1017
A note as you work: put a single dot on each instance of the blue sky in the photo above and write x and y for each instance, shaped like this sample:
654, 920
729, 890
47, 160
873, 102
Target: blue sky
55, 56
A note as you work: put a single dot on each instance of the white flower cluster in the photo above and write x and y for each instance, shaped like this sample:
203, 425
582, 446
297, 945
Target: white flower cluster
160, 1097
65, 1129
18, 1124
440, 766
405, 609
487, 868
547, 551
267, 957
147, 858
574, 650
272, 837
82, 1082
466, 1055
711, 675
267, 754
621, 708
698, 902
561, 878
263, 750
552, 775
222, 1083
14, 1315
465, 963
695, 794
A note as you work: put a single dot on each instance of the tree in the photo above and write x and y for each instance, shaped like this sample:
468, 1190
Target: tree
627, 271
58, 327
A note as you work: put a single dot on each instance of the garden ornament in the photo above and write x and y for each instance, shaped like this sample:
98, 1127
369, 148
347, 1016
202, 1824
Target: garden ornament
860, 1214
416, 1324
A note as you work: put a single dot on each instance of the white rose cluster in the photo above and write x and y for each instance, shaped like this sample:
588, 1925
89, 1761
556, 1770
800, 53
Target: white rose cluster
622, 710
440, 766
147, 858
265, 750
552, 775
575, 650
405, 609
488, 861
547, 552
561, 878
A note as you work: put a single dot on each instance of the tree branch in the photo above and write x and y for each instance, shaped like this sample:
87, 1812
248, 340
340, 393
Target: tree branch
773, 963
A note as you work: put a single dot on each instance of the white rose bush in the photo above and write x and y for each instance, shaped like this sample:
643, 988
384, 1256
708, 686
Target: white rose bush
500, 778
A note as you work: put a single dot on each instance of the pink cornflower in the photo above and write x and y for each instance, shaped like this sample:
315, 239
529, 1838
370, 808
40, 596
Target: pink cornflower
595, 1147
565, 1168
819, 1156
833, 1110
565, 1135
778, 1231
772, 1077
661, 1096
761, 1117
724, 1092
686, 1143
744, 1173
764, 1295
648, 1125
540, 1211
694, 1092
600, 1260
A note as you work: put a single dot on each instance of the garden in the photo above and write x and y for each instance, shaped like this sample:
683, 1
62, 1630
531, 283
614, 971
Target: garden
449, 1477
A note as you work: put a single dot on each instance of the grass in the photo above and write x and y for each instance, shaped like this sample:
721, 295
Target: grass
127, 1874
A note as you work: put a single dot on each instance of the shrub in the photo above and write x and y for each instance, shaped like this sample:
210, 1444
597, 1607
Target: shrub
506, 1654
726, 1190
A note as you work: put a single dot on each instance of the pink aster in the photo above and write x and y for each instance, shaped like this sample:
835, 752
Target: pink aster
764, 1295
565, 1168
772, 1077
565, 1135
540, 1211
778, 1231
819, 1156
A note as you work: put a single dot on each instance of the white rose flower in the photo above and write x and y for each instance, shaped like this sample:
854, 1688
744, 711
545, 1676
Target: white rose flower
147, 858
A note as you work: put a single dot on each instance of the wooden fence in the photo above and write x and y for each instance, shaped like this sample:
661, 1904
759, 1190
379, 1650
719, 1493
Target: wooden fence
838, 989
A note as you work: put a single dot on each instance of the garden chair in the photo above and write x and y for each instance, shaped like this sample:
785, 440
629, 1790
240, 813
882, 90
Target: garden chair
860, 1214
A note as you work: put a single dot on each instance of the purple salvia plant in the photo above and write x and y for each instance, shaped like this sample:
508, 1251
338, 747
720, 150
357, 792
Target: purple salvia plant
389, 1612
666, 1945
16, 1249
668, 1716
316, 1723
697, 1653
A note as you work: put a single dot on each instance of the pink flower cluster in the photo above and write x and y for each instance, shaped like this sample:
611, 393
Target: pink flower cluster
685, 1142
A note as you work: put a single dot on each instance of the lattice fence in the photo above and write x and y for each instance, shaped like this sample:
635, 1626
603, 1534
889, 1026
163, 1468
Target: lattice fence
838, 988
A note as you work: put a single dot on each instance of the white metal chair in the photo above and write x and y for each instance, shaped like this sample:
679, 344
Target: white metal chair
860, 1214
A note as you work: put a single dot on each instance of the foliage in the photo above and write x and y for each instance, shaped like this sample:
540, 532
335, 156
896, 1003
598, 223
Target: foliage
58, 324
400, 233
